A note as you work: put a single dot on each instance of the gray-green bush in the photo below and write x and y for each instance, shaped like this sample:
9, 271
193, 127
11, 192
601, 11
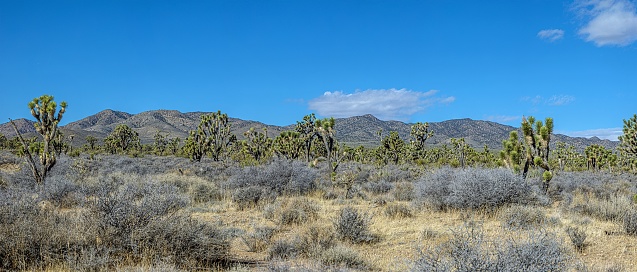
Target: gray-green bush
472, 188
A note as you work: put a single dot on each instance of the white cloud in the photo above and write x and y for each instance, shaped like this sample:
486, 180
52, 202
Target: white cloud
551, 34
609, 22
560, 100
602, 133
555, 100
503, 118
391, 104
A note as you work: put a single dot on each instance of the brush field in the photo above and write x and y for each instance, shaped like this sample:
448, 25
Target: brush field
117, 213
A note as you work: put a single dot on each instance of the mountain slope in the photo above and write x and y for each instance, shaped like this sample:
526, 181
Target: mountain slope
357, 130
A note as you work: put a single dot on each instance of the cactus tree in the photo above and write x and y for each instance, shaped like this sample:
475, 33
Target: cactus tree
537, 137
419, 134
511, 153
307, 132
43, 109
212, 136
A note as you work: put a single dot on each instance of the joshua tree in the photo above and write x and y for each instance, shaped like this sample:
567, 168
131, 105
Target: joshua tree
307, 132
173, 145
4, 142
419, 134
598, 156
288, 145
512, 152
628, 141
123, 139
91, 142
537, 137
160, 144
393, 147
257, 144
212, 136
43, 109
460, 150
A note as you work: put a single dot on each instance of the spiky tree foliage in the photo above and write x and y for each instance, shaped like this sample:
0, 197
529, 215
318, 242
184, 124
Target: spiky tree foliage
122, 139
628, 142
327, 135
212, 136
91, 142
257, 144
160, 144
537, 137
173, 145
566, 158
4, 142
598, 157
392, 148
307, 132
419, 134
512, 152
325, 130
44, 110
288, 145
59, 145
461, 150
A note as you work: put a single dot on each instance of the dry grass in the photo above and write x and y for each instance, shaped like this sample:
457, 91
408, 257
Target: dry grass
607, 245
400, 237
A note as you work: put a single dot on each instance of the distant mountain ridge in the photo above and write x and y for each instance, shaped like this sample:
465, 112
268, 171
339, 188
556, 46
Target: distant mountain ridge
354, 131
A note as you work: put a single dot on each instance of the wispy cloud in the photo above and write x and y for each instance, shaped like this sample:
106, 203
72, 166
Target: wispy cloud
503, 118
608, 22
391, 104
555, 100
602, 133
551, 34
560, 100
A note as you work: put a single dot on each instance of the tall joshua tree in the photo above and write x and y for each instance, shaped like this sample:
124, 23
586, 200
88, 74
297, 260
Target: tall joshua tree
628, 141
212, 136
419, 134
43, 109
537, 136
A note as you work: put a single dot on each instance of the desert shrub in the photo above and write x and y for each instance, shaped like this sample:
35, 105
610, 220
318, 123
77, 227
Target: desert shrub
259, 239
470, 250
33, 235
185, 241
610, 208
122, 207
289, 177
630, 222
602, 185
204, 192
293, 216
353, 226
62, 192
399, 210
393, 173
522, 217
378, 187
284, 249
578, 237
330, 195
316, 239
298, 211
247, 197
472, 188
404, 191
342, 256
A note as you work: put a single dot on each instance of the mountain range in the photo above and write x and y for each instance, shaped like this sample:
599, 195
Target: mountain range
354, 131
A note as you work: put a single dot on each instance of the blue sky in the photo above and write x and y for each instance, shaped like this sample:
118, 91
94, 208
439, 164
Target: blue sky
276, 61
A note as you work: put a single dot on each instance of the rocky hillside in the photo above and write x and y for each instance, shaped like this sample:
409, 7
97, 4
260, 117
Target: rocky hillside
358, 130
